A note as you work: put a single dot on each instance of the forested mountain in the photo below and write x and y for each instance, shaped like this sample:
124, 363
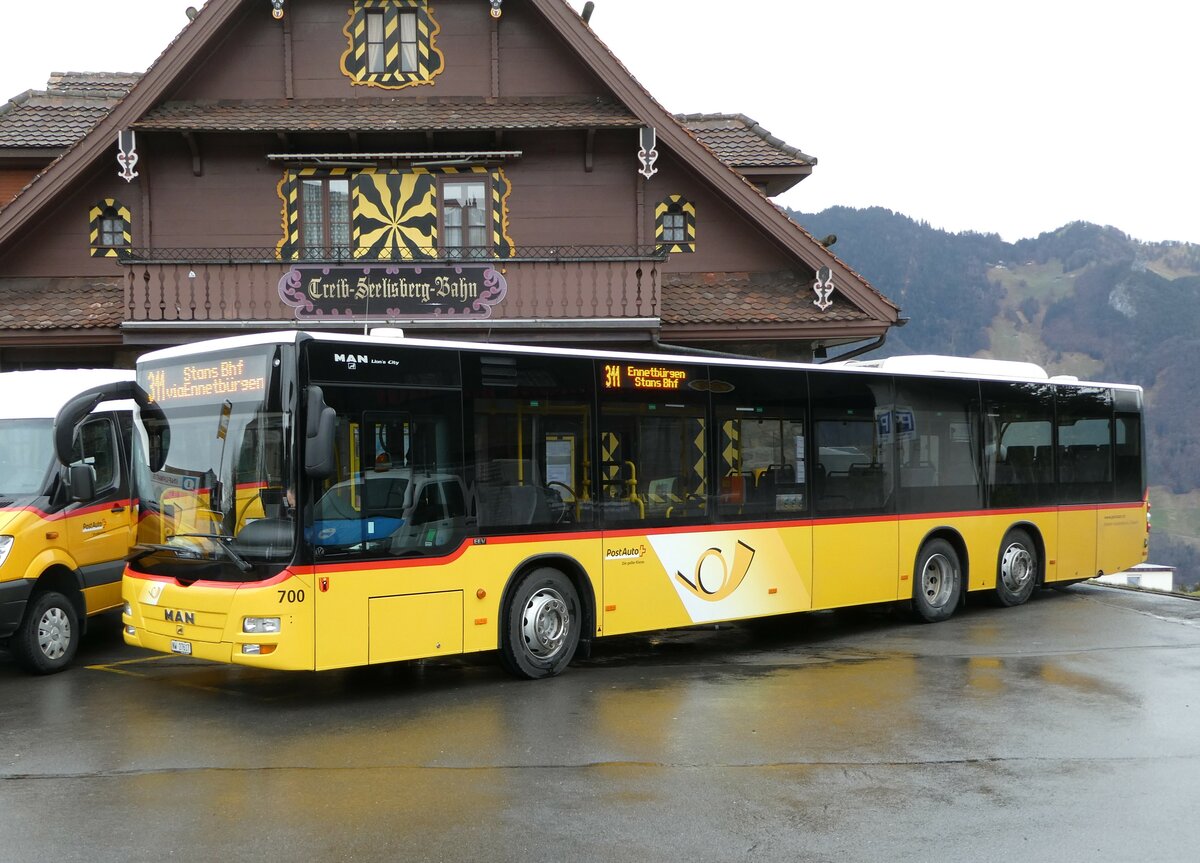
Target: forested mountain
1083, 300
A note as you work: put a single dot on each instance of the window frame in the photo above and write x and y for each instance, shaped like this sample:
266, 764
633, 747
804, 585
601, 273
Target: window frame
370, 16
110, 229
327, 249
371, 62
454, 253
682, 236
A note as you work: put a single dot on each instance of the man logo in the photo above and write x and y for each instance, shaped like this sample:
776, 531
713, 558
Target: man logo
351, 360
188, 617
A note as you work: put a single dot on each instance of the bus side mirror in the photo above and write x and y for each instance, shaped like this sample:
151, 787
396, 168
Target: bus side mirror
81, 482
319, 436
158, 438
74, 411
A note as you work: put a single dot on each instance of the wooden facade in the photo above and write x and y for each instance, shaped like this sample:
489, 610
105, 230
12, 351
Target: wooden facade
427, 165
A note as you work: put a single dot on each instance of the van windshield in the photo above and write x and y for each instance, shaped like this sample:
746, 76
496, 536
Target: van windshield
26, 456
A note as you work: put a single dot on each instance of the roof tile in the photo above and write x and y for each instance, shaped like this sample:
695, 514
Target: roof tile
63, 113
771, 298
384, 114
739, 141
60, 303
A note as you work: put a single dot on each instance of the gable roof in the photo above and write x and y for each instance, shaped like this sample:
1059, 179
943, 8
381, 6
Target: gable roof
187, 47
737, 189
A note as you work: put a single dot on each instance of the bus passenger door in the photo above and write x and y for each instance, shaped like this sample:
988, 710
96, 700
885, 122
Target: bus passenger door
855, 531
1084, 462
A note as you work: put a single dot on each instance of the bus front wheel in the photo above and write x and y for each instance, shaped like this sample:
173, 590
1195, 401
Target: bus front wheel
1017, 569
541, 626
49, 635
938, 581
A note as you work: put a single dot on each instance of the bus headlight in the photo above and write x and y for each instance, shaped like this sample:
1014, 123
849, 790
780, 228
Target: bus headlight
260, 624
127, 610
6, 543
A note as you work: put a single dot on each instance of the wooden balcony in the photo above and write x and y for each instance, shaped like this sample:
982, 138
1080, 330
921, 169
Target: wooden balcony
208, 288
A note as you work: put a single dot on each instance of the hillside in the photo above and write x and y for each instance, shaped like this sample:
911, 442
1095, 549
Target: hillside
1082, 300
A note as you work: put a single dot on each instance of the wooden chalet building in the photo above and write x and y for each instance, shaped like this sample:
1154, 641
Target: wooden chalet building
480, 169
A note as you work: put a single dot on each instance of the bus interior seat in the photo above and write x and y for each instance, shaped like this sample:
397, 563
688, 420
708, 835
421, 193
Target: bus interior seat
510, 505
384, 495
1020, 460
866, 485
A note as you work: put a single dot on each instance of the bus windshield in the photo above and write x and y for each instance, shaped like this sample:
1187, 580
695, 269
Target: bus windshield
26, 453
213, 484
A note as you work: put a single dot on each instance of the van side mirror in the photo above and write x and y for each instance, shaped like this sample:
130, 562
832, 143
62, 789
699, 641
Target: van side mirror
319, 432
81, 482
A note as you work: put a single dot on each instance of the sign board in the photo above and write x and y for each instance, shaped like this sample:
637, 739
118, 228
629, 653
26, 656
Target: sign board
392, 291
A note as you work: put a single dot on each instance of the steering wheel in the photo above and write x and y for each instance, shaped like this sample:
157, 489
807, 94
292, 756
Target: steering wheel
567, 507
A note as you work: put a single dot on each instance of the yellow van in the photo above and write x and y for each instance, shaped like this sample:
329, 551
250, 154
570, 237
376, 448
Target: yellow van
61, 558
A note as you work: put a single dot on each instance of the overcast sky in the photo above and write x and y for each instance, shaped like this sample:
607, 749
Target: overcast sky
1005, 116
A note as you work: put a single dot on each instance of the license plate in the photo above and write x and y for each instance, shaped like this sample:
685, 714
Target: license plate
183, 647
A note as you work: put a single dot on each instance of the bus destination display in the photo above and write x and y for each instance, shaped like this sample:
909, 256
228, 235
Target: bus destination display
233, 378
634, 376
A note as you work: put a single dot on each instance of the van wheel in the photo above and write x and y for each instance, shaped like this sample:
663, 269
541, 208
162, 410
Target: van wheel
1016, 570
937, 582
48, 636
541, 627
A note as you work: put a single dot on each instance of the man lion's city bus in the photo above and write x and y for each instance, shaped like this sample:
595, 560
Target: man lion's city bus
61, 555
310, 501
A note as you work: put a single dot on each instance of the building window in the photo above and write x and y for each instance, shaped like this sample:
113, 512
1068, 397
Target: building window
465, 218
375, 55
675, 224
325, 217
109, 226
408, 41
391, 44
673, 227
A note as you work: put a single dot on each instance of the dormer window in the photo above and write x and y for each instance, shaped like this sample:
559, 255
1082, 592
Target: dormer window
392, 44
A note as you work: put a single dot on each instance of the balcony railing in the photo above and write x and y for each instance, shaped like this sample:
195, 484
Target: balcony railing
178, 286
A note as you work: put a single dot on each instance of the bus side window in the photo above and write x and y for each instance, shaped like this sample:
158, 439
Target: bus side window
1018, 443
855, 425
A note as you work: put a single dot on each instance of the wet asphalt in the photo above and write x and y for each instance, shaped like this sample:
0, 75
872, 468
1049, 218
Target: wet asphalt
1064, 730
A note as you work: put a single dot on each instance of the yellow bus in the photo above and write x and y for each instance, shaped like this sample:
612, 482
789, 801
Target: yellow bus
310, 501
61, 555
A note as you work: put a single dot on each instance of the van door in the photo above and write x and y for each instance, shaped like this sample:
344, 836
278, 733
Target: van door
100, 531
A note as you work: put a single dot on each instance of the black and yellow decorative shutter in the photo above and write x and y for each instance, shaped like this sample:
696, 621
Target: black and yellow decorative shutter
430, 60
394, 215
675, 205
112, 209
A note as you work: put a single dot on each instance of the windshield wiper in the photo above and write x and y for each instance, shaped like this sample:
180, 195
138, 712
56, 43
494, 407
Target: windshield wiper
223, 544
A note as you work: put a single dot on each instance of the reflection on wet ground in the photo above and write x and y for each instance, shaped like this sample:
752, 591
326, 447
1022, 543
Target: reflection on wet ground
832, 732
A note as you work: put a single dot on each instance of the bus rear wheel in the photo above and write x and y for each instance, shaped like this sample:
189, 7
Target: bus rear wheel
541, 626
937, 581
1016, 570
49, 635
